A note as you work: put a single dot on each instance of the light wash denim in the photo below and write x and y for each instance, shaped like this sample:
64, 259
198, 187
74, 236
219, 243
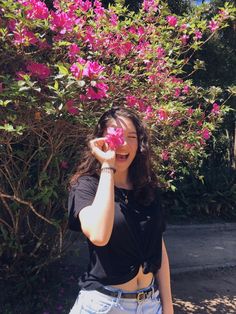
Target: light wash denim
94, 302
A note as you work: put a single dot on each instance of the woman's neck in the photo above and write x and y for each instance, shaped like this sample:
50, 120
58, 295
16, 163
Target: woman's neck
121, 180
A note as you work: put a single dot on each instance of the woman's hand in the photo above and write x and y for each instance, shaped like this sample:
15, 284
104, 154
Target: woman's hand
102, 152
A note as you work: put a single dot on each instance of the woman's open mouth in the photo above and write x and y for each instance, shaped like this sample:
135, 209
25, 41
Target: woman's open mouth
122, 157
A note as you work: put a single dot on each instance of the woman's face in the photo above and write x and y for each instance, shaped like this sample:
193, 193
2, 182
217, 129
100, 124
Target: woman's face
125, 153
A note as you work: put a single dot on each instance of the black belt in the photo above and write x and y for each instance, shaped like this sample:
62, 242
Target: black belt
139, 296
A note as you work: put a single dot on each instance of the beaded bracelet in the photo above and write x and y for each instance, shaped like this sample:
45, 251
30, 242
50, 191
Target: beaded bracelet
107, 169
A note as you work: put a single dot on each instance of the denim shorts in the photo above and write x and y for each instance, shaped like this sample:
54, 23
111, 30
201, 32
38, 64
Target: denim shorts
94, 302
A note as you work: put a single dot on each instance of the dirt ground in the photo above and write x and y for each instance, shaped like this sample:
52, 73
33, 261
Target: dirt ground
203, 292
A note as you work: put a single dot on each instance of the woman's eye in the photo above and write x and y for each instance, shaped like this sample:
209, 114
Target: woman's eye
132, 137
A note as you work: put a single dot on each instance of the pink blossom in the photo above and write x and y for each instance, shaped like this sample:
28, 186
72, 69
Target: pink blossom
162, 114
206, 134
213, 25
39, 70
176, 122
73, 50
216, 109
62, 22
186, 89
150, 5
160, 52
165, 155
25, 37
223, 14
77, 68
99, 10
43, 45
11, 24
38, 10
190, 111
85, 5
177, 92
172, 20
198, 34
97, 92
93, 70
71, 108
199, 123
114, 137
184, 39
114, 19
183, 27
131, 100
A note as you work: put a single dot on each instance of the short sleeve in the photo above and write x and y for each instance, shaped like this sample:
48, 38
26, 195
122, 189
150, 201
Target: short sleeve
81, 195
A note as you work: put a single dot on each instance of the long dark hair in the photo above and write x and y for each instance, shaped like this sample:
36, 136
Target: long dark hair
140, 171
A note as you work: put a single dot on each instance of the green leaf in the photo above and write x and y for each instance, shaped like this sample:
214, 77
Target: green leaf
62, 69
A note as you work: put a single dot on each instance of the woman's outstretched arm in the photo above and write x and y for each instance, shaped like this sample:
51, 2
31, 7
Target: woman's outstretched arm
163, 277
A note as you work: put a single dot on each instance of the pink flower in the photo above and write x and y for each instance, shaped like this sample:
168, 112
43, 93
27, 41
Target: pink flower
38, 10
190, 111
25, 37
85, 5
131, 100
206, 134
39, 70
73, 50
176, 122
148, 113
172, 20
198, 34
216, 109
62, 22
97, 92
186, 89
71, 108
77, 68
223, 14
150, 5
165, 155
162, 115
99, 10
183, 27
213, 25
177, 92
184, 39
93, 70
160, 52
114, 19
114, 137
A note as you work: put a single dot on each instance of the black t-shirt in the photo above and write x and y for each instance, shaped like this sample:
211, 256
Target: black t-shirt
136, 237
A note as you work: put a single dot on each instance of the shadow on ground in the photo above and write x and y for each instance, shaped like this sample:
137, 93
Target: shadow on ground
209, 291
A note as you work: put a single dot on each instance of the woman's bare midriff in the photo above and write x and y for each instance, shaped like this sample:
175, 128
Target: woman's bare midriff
140, 281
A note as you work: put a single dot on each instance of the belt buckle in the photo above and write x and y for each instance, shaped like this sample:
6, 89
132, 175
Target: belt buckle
141, 296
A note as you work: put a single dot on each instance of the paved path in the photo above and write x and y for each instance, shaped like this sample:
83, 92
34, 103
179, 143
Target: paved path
199, 247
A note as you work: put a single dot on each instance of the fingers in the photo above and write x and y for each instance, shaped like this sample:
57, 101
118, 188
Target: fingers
100, 149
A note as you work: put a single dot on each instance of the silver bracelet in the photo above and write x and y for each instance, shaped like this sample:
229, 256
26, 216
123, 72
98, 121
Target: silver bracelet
108, 169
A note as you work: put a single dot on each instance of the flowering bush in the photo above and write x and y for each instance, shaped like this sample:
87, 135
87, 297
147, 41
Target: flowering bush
73, 62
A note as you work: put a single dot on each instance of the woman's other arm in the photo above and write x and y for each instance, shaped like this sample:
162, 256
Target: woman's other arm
163, 277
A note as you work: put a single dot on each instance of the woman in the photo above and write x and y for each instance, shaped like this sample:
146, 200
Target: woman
114, 201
